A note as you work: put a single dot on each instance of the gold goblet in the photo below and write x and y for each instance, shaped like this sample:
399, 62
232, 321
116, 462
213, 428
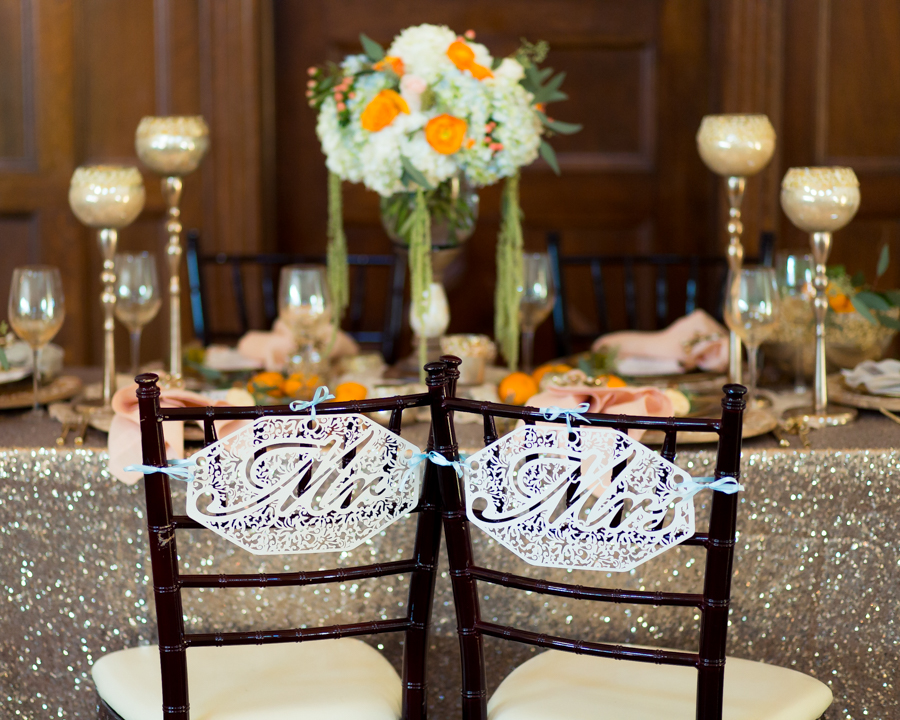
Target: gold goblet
108, 198
820, 200
735, 146
173, 147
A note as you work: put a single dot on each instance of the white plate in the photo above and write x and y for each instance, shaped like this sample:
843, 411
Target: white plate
226, 359
14, 374
644, 366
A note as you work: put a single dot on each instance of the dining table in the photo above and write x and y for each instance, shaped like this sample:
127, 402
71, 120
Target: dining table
816, 583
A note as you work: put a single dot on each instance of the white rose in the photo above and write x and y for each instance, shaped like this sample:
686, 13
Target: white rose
510, 70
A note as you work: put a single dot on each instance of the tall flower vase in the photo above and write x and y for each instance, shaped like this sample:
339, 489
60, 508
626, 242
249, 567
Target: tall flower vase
452, 209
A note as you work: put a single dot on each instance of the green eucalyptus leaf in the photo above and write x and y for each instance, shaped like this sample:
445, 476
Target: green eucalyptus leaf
892, 296
4, 361
563, 128
889, 322
414, 173
544, 73
372, 49
835, 271
549, 154
556, 96
861, 308
496, 63
873, 300
859, 279
884, 259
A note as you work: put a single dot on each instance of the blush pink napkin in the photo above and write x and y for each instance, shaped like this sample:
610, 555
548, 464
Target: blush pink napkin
273, 348
696, 341
125, 432
611, 401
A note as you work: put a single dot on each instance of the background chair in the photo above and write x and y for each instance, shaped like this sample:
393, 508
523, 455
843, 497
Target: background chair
590, 679
680, 284
336, 676
204, 270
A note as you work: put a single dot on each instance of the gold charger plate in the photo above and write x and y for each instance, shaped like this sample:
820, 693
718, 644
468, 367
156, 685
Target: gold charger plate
757, 421
839, 392
19, 395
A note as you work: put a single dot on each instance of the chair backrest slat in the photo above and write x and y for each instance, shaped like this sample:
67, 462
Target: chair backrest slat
718, 544
168, 582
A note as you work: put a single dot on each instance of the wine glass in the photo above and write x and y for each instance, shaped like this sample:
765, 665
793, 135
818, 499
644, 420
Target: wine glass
535, 302
795, 287
37, 309
137, 297
304, 305
751, 311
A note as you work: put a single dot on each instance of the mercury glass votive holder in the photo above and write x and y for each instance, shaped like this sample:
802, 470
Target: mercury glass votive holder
735, 146
820, 200
173, 146
107, 197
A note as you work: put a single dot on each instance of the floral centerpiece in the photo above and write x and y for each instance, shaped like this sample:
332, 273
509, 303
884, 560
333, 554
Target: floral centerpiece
434, 110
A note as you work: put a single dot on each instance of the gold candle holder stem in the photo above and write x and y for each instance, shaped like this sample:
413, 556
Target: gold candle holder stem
107, 238
821, 247
171, 188
735, 186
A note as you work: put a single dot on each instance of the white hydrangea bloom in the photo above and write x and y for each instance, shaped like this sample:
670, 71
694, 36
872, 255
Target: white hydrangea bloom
510, 69
423, 49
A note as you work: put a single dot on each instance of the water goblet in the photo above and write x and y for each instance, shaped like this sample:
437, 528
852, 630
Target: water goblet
37, 308
304, 305
794, 275
735, 146
137, 298
535, 301
751, 312
820, 200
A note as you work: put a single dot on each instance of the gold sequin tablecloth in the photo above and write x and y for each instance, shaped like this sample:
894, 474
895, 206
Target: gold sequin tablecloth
816, 584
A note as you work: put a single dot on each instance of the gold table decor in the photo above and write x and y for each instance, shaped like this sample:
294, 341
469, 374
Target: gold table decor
820, 200
173, 147
735, 146
108, 198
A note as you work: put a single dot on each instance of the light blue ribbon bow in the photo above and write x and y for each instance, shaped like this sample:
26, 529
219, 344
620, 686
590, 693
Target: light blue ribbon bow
177, 470
692, 486
437, 459
321, 395
553, 412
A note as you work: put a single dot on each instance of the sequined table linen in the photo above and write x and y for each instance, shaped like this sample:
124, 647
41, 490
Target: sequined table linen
816, 582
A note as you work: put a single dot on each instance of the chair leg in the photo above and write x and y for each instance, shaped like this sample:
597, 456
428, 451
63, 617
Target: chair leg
105, 712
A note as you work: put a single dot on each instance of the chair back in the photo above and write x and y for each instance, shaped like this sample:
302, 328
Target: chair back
530, 489
291, 482
363, 268
681, 284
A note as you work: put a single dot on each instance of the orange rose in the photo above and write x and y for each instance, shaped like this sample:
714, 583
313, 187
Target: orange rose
445, 133
463, 57
382, 109
389, 61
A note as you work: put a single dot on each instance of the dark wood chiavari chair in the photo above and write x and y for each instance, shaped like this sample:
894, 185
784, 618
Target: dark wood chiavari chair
122, 677
701, 277
580, 682
269, 264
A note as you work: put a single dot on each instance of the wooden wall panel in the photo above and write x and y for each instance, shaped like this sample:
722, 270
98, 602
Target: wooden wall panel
14, 58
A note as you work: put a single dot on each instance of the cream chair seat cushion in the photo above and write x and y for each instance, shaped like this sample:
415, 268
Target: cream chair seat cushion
335, 679
563, 685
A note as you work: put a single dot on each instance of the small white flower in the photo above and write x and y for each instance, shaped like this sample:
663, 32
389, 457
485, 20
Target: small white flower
411, 89
510, 70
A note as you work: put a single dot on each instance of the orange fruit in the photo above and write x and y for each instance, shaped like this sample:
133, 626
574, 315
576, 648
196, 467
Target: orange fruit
350, 391
516, 388
297, 383
270, 383
555, 368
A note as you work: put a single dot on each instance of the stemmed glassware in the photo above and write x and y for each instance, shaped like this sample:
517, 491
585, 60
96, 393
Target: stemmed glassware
820, 200
735, 146
751, 312
304, 305
137, 297
535, 302
795, 287
37, 309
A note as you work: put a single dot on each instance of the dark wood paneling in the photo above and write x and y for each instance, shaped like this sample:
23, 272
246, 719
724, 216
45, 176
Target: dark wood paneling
12, 86
18, 245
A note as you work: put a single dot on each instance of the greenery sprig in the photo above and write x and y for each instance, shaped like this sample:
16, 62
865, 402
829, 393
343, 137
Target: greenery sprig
866, 299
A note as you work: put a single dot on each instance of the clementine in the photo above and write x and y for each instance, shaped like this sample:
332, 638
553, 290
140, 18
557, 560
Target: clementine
516, 388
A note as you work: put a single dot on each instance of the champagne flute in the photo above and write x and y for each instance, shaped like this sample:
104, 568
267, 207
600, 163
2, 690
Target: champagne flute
37, 309
137, 298
795, 287
535, 302
751, 311
304, 305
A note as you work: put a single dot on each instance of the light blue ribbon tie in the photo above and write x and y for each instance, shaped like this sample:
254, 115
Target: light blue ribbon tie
437, 459
692, 486
552, 413
177, 470
321, 395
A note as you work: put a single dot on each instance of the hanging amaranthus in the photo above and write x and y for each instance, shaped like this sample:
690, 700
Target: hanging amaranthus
420, 269
338, 273
509, 273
